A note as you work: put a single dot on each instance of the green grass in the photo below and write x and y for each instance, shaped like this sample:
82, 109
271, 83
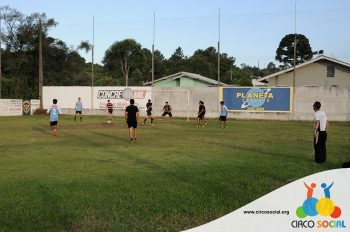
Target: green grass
176, 177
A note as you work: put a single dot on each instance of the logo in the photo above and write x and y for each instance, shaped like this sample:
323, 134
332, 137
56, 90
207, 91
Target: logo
125, 94
255, 97
323, 206
26, 107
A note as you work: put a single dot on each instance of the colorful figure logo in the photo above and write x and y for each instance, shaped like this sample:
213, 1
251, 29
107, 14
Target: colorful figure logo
323, 206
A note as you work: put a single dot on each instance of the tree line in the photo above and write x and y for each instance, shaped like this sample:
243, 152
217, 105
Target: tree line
125, 62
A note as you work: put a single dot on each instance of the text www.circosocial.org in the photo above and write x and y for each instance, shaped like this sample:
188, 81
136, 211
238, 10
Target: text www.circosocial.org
257, 212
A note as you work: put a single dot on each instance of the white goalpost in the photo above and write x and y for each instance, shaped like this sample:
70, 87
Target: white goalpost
179, 100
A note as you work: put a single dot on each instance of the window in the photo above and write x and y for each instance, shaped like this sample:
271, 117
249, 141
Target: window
330, 71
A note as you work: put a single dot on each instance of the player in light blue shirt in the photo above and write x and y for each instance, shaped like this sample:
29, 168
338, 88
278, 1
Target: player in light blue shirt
223, 114
78, 109
54, 112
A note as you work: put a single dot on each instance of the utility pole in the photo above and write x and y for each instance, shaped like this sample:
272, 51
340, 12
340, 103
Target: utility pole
41, 75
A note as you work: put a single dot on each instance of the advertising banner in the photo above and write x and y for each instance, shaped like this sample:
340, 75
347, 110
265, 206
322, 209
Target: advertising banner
34, 104
120, 96
10, 107
253, 99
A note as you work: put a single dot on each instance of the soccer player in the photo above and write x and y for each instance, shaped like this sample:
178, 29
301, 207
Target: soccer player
132, 117
78, 109
201, 114
223, 114
167, 110
54, 112
109, 106
149, 112
320, 134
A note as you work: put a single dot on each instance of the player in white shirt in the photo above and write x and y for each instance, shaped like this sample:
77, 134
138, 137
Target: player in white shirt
320, 133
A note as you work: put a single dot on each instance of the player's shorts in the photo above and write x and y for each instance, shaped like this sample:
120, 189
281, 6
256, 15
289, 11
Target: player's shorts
110, 111
167, 113
132, 124
78, 112
222, 118
149, 113
53, 123
201, 116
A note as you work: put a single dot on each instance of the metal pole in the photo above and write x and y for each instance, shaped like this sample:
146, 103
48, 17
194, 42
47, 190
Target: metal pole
218, 88
41, 75
92, 64
154, 25
0, 52
219, 52
295, 51
295, 44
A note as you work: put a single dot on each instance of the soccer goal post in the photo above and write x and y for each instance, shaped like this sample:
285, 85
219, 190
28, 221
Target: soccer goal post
179, 100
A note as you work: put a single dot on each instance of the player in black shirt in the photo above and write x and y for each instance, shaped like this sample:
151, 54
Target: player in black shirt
131, 117
149, 112
201, 114
167, 110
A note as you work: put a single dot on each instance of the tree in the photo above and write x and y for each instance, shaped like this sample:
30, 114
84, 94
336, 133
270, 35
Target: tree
124, 57
20, 36
285, 50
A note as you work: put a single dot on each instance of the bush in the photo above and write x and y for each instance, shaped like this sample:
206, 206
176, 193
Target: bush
40, 112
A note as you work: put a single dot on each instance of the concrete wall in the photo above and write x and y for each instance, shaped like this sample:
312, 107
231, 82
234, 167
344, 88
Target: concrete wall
314, 74
184, 101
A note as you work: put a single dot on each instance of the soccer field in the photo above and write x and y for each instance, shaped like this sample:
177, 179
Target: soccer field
91, 178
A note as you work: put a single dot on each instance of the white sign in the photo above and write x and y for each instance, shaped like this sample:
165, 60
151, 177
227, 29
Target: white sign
10, 107
34, 104
120, 96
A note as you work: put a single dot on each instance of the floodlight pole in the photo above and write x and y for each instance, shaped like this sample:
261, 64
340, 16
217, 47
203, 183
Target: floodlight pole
295, 52
41, 75
295, 44
218, 89
219, 53
0, 51
154, 25
92, 64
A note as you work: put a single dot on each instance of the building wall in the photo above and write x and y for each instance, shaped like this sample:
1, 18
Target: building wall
166, 83
314, 74
181, 82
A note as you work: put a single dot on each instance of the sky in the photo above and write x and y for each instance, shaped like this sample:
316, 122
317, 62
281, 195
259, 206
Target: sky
250, 31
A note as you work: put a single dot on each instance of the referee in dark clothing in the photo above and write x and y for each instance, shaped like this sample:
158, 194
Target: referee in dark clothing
132, 117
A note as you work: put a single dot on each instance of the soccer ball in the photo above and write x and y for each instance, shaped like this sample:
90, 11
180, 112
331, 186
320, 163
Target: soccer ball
108, 122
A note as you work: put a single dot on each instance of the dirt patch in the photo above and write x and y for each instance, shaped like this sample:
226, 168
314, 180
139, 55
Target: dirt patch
93, 126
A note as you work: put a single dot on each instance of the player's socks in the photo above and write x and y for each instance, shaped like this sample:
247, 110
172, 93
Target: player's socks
131, 140
151, 120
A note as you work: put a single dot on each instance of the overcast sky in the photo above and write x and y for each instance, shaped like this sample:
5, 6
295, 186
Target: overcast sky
250, 30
